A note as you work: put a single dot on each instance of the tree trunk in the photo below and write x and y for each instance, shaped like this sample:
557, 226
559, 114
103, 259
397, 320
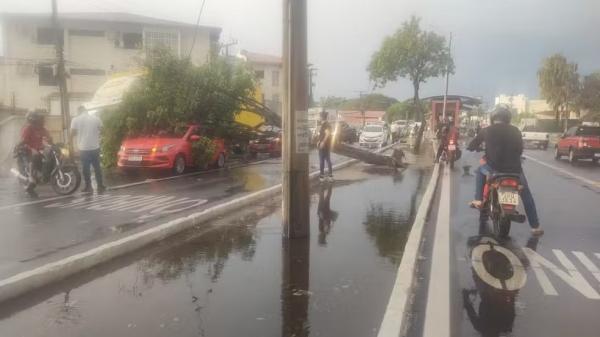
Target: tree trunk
420, 115
395, 160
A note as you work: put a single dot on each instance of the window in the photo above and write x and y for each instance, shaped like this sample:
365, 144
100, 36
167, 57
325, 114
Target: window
46, 36
46, 76
588, 131
168, 40
132, 40
86, 32
260, 74
86, 71
275, 74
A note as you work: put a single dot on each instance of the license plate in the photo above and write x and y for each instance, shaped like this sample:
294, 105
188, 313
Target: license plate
508, 198
134, 158
452, 147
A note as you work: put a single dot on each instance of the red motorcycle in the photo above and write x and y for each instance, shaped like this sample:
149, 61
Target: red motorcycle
500, 201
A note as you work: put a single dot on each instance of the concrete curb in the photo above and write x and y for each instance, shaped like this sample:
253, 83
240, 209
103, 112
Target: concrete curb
55, 271
395, 322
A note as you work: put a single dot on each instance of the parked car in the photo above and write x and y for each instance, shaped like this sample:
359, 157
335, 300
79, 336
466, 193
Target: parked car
533, 137
345, 133
167, 151
579, 142
267, 141
374, 135
397, 127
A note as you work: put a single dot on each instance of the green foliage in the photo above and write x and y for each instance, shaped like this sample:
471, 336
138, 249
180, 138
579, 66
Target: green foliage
559, 83
203, 151
332, 102
411, 53
373, 102
589, 97
175, 93
401, 110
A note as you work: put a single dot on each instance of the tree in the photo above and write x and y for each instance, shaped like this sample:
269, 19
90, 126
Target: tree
175, 93
414, 54
332, 102
373, 102
559, 85
401, 110
589, 98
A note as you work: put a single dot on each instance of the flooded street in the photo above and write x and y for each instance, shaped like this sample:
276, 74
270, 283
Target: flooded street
234, 277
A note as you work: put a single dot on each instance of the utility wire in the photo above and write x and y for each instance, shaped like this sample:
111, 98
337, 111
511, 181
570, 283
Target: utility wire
196, 29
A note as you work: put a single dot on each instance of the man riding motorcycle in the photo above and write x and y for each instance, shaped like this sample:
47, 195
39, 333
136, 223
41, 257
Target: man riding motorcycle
503, 150
446, 132
33, 137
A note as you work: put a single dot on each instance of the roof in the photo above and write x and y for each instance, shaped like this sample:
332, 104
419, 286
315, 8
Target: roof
464, 100
260, 58
356, 113
111, 17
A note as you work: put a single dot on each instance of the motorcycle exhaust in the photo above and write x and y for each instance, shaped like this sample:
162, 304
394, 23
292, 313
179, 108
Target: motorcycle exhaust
18, 174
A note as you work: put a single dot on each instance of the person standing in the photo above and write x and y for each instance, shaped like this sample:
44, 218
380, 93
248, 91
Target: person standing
87, 129
324, 146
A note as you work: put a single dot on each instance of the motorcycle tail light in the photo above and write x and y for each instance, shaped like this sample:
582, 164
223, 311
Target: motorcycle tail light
508, 207
509, 183
451, 142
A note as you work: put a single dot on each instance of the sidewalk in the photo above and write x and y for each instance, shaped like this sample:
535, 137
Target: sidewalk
234, 277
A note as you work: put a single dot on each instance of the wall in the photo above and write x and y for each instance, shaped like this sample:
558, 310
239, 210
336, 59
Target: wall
271, 91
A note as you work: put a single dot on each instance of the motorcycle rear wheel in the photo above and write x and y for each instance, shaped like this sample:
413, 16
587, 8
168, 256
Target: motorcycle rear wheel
69, 183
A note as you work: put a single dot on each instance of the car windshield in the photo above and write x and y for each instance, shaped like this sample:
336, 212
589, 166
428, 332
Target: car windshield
588, 131
373, 128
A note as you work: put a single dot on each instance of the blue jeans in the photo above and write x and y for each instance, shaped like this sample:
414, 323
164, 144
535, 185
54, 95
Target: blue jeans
88, 159
325, 156
526, 196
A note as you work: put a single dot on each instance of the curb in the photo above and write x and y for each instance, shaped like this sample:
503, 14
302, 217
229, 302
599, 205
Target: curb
395, 321
27, 281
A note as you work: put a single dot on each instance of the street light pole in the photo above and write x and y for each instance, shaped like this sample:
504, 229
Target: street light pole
296, 140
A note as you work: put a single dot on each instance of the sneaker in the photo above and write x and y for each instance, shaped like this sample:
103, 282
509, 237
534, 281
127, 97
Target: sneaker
476, 204
330, 179
30, 187
101, 189
321, 178
87, 189
537, 231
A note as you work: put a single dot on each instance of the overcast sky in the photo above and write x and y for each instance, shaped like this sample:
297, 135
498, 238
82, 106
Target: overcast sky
498, 44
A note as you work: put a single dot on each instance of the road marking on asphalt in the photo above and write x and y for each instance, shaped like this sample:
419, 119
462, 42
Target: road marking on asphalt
570, 275
27, 203
515, 282
588, 264
437, 315
563, 171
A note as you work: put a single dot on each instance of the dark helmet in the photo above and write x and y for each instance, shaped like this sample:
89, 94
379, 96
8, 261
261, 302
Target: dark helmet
34, 117
501, 114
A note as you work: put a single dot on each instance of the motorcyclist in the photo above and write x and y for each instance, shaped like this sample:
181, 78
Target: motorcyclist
503, 150
446, 131
33, 138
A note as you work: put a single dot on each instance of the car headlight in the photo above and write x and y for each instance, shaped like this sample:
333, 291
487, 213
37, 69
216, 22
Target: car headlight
166, 148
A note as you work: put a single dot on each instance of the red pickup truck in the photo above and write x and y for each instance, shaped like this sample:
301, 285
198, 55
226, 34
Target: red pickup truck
166, 151
579, 142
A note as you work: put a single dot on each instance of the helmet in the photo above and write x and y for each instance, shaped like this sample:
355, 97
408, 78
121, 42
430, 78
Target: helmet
501, 114
33, 116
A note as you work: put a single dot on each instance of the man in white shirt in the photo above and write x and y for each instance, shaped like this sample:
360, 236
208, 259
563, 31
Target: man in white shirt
87, 129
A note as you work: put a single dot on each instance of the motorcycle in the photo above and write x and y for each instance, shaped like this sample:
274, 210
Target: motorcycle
451, 153
56, 169
500, 201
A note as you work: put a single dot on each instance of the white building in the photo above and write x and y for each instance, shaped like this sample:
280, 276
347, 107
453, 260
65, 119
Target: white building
517, 102
96, 45
535, 106
268, 70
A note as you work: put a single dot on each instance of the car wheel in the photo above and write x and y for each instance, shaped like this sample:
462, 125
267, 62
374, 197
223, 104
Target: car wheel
221, 161
179, 165
557, 155
572, 158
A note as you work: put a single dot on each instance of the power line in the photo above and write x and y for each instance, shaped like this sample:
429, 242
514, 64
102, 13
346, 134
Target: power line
196, 29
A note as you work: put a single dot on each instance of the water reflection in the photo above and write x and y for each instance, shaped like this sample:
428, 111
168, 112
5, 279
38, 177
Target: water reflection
295, 292
499, 272
389, 229
326, 215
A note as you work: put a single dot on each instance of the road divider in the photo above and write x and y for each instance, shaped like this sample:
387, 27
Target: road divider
55, 271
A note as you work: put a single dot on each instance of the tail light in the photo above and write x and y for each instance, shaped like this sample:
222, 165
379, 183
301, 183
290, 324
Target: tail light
508, 207
451, 142
582, 143
509, 183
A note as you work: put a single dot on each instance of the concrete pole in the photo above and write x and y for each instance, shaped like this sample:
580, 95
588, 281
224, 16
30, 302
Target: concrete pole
447, 83
296, 140
61, 77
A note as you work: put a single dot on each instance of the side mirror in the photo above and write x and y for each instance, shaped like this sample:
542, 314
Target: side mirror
194, 138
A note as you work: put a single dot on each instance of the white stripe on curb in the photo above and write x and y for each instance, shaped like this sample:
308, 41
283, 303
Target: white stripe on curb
55, 271
395, 321
437, 314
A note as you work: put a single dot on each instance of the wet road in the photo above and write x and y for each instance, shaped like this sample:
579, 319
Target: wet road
547, 286
235, 276
37, 231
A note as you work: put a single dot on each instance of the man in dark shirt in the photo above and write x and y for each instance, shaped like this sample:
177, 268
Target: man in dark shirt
503, 150
324, 145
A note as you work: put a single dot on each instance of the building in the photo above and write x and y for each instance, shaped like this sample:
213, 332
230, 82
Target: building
269, 72
357, 119
517, 102
96, 45
538, 105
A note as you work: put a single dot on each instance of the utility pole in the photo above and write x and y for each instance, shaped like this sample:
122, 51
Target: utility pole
227, 45
362, 105
447, 82
61, 78
296, 196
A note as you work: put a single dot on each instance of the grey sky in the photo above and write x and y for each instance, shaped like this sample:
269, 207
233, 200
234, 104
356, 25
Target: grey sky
498, 45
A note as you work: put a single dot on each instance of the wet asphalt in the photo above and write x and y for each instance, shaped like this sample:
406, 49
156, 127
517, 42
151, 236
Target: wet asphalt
39, 230
552, 285
237, 277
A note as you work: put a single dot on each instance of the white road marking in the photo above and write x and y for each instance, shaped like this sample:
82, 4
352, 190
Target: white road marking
437, 315
515, 282
588, 264
571, 276
27, 203
563, 171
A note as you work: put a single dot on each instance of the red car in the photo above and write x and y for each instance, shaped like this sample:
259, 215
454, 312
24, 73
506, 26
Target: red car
579, 142
166, 151
267, 142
